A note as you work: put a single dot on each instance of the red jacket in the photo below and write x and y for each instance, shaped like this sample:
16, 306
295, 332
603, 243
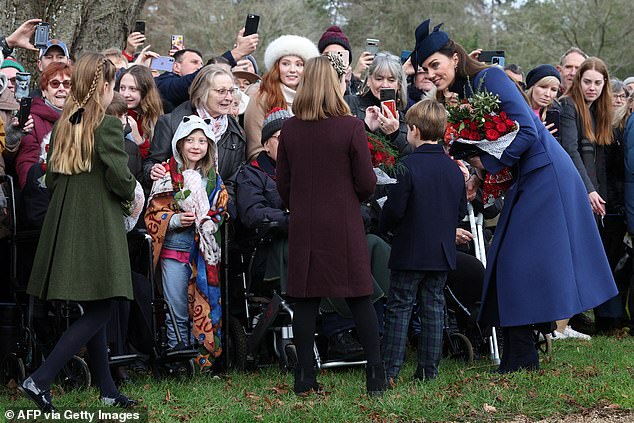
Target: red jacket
44, 117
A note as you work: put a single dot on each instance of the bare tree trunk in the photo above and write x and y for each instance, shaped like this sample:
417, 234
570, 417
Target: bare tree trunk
90, 25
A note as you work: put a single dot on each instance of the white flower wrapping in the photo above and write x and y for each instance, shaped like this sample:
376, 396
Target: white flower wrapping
494, 148
198, 203
136, 207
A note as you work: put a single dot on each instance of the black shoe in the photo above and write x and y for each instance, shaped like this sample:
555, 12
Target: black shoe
119, 401
305, 381
375, 380
343, 345
38, 396
422, 376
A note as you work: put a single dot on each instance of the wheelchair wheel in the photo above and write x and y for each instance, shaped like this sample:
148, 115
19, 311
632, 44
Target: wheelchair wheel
458, 347
289, 361
74, 375
237, 348
543, 342
12, 368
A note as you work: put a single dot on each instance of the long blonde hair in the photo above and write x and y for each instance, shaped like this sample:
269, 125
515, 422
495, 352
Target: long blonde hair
318, 95
74, 143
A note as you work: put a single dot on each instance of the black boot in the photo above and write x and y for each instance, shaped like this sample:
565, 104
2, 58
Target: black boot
519, 348
305, 380
375, 379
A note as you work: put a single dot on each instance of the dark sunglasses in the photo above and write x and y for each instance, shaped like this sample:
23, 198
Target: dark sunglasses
54, 83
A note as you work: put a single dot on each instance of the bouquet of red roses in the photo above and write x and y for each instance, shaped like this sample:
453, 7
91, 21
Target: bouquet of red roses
476, 125
383, 155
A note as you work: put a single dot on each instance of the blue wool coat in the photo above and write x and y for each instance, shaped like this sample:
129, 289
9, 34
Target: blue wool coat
423, 210
547, 262
628, 141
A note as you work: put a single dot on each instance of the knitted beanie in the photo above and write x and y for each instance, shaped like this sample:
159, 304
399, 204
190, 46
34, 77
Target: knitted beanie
273, 122
289, 45
541, 71
334, 35
10, 62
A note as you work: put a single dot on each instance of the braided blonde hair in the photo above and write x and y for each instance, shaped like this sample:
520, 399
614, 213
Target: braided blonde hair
73, 140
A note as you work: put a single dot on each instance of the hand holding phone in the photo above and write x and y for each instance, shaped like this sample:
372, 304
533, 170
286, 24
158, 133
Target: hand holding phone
139, 26
372, 45
388, 99
162, 63
553, 119
178, 42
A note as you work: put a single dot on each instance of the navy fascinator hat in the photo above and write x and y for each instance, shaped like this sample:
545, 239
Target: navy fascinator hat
427, 43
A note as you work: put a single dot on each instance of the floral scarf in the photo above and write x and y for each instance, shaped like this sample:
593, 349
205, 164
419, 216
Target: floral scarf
209, 206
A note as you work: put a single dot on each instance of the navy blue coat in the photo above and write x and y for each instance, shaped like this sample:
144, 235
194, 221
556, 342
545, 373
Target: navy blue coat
423, 210
546, 262
628, 146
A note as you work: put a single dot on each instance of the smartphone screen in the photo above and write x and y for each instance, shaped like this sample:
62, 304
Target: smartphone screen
139, 26
487, 56
24, 111
251, 26
387, 94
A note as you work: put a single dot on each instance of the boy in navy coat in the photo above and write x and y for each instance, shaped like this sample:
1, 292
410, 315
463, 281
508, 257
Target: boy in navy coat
422, 211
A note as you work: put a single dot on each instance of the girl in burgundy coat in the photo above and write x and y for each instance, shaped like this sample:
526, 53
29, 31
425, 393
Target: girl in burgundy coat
323, 173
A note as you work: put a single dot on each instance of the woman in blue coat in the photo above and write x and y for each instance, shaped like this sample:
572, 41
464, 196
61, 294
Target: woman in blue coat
547, 261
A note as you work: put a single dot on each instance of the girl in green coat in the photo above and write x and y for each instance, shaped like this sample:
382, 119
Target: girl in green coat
82, 254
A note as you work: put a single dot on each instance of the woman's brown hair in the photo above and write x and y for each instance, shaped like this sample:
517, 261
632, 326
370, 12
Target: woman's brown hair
151, 105
271, 95
318, 94
74, 143
602, 133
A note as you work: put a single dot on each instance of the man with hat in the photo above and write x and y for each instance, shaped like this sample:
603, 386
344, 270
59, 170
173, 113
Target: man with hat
10, 67
55, 51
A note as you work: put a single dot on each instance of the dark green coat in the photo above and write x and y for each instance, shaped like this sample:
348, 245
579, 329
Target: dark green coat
83, 253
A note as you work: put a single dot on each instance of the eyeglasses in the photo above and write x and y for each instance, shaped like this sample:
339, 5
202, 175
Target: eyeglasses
54, 83
222, 92
620, 96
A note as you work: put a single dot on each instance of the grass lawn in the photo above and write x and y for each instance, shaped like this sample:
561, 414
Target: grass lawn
581, 377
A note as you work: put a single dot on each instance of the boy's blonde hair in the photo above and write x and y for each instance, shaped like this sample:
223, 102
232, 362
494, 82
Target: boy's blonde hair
430, 117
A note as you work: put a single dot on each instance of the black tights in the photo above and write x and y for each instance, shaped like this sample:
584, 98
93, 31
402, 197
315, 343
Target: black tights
89, 330
305, 321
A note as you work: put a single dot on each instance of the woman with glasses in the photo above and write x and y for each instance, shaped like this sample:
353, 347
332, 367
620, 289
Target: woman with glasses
620, 93
587, 135
384, 72
31, 158
284, 58
211, 94
136, 85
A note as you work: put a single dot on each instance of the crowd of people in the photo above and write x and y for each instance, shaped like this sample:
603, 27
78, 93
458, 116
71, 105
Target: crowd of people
221, 142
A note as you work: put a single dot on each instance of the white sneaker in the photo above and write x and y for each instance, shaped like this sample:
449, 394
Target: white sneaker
571, 333
559, 335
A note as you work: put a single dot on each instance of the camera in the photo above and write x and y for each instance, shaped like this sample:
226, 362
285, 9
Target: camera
41, 37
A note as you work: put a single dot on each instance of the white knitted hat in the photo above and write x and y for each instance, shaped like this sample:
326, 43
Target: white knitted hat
289, 45
188, 125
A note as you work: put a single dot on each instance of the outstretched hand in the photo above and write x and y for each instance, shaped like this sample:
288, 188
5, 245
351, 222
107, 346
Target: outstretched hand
21, 37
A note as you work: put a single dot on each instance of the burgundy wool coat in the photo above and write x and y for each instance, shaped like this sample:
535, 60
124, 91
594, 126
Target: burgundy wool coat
324, 172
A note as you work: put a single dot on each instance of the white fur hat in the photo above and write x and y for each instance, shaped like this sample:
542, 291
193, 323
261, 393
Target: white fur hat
289, 45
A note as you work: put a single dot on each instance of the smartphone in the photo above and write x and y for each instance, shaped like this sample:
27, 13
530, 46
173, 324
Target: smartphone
487, 56
345, 57
24, 111
251, 26
40, 39
162, 63
139, 26
177, 42
405, 55
552, 116
22, 81
388, 98
372, 45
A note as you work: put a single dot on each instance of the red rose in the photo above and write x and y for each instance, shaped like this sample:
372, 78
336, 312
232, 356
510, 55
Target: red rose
497, 119
473, 126
501, 128
370, 146
166, 166
379, 157
464, 133
503, 115
510, 123
178, 178
489, 125
492, 134
44, 166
